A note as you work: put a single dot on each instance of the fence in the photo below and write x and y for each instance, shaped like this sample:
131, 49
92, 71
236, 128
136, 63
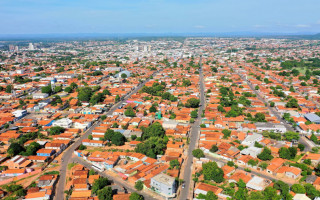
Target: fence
20, 177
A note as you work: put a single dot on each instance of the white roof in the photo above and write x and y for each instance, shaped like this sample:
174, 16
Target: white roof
301, 197
258, 183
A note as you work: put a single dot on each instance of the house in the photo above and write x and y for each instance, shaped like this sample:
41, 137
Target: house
275, 165
314, 157
312, 117
258, 183
164, 185
64, 122
93, 143
19, 113
203, 188
251, 139
41, 195
13, 172
266, 126
47, 180
17, 162
252, 151
290, 172
46, 152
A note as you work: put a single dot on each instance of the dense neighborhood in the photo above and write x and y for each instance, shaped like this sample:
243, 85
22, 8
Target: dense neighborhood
182, 118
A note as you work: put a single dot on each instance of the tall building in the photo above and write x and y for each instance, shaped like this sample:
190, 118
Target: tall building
31, 47
11, 47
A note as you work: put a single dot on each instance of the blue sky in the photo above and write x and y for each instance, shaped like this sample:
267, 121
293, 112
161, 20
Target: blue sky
158, 16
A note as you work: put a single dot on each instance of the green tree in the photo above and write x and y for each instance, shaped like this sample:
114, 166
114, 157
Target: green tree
259, 117
265, 154
136, 196
298, 188
283, 187
46, 89
68, 89
56, 130
211, 171
154, 130
57, 89
117, 99
198, 153
314, 138
98, 184
301, 147
118, 139
129, 112
211, 196
92, 172
174, 164
15, 149
253, 162
82, 147
214, 149
263, 165
186, 82
123, 75
73, 85
85, 94
105, 193
152, 147
139, 185
194, 114
226, 133
307, 161
284, 153
192, 103
9, 89
271, 194
290, 135
152, 109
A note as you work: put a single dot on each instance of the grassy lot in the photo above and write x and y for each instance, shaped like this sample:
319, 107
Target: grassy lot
70, 165
302, 70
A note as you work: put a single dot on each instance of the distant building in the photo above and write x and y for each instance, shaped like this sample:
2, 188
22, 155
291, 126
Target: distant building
164, 185
31, 47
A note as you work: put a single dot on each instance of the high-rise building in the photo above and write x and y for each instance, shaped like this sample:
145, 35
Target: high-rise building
11, 47
31, 47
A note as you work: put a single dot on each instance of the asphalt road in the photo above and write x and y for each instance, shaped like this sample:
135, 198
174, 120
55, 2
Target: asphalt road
194, 137
67, 154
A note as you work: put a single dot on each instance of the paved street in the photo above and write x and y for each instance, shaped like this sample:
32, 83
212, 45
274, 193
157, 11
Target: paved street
194, 137
67, 154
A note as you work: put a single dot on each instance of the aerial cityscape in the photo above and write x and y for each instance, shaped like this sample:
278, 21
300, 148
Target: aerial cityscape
133, 110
